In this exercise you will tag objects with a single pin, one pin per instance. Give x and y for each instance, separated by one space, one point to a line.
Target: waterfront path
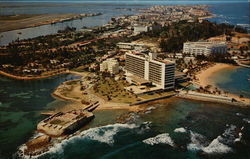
213 98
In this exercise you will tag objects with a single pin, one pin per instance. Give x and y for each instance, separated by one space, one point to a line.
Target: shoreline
207 17
103 104
5 74
204 80
203 76
30 78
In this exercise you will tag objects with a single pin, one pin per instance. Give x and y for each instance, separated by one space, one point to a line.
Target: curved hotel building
204 48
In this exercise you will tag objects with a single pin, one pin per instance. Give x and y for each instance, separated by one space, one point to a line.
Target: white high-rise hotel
159 72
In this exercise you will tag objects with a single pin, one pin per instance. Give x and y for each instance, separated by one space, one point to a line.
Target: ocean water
227 12
175 130
235 81
237 13
20 105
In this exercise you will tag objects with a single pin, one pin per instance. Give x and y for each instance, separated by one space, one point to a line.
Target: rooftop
207 42
154 59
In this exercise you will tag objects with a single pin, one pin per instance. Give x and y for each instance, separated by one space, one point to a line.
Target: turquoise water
234 80
20 105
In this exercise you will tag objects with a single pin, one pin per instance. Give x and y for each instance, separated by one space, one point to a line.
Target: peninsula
21 21
159 53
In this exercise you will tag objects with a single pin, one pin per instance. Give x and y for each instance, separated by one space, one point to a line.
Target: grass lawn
114 91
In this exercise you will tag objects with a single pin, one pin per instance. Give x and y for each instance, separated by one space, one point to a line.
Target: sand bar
15 22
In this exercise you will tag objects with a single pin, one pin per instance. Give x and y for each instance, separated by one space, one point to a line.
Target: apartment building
140 28
111 65
160 72
204 48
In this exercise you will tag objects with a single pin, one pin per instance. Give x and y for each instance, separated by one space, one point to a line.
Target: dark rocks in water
38 145
128 117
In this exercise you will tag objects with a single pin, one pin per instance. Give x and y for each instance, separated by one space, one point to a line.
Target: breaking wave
198 142
246 120
103 134
180 130
219 145
160 139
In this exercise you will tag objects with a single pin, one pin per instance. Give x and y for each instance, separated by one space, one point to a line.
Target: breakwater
212 98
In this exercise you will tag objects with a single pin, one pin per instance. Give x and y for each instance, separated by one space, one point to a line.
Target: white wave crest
246 120
217 147
160 139
239 138
180 130
239 114
105 134
102 134
198 142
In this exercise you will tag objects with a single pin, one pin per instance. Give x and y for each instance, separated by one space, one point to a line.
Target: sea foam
198 142
103 134
219 145
160 139
246 120
180 130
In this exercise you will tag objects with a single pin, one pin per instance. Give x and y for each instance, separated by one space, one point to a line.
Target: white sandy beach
204 79
203 76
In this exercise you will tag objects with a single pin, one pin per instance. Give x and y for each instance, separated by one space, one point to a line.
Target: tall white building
111 65
159 72
204 48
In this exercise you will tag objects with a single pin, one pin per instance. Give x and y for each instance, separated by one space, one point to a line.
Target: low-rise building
111 65
140 28
131 46
204 48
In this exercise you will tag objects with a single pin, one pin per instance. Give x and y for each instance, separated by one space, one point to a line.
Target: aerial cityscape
124 79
